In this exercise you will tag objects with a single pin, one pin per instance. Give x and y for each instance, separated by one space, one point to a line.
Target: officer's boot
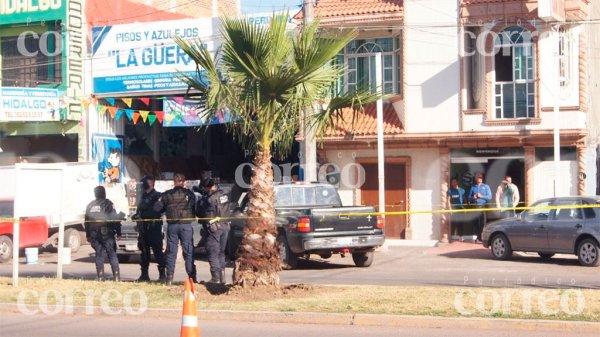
169 280
116 276
100 275
215 277
144 277
162 275
222 276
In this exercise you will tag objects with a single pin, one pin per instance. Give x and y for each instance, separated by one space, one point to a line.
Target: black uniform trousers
184 233
215 245
105 247
151 239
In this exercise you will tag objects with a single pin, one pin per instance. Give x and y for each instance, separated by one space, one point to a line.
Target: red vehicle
33 231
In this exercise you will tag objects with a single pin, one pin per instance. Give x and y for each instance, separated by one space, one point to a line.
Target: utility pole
308 146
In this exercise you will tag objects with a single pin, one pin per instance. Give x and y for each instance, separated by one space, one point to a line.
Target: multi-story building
42 50
471 87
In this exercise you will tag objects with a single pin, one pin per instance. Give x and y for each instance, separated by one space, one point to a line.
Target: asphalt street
19 325
462 264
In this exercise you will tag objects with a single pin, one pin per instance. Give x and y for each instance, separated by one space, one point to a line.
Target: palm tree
266 76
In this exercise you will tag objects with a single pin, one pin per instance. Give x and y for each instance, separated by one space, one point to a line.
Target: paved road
17 325
461 264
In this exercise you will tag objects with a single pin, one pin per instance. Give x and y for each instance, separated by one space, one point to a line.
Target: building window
22 70
565 52
359 60
514 69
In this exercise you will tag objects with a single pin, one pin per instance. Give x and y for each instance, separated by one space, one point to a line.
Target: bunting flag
159 115
85 103
101 110
129 113
110 101
151 119
127 101
119 114
136 117
145 101
169 119
112 110
144 114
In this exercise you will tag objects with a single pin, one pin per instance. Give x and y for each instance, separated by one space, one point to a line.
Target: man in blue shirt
456 200
479 195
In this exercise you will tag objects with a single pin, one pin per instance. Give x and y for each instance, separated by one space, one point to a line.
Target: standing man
178 204
507 197
456 200
101 225
149 226
479 195
214 205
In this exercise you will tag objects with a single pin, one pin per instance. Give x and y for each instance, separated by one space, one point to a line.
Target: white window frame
369 50
526 46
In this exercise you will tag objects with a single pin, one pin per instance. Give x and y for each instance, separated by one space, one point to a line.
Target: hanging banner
181 112
29 104
107 151
143 57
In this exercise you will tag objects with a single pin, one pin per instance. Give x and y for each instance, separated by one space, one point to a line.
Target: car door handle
578 226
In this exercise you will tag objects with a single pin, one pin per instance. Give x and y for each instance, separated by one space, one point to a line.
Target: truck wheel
289 260
364 259
73 240
6 248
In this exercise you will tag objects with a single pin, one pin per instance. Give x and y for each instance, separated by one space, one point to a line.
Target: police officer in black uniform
101 225
212 207
179 204
149 226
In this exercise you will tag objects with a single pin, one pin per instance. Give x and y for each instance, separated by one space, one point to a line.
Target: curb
404 321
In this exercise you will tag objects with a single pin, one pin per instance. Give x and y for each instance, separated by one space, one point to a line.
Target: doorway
395 193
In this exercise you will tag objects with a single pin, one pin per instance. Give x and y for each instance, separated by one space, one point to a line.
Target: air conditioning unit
551 10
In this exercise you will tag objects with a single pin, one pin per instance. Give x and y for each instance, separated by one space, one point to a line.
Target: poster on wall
29 104
180 112
107 151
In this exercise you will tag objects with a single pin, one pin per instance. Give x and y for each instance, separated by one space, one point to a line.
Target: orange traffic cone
189 320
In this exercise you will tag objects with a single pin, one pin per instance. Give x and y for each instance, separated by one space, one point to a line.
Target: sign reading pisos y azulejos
28 11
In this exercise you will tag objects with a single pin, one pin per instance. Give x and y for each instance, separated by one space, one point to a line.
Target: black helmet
146 178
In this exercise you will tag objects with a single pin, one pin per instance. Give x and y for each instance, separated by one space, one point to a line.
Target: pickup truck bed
311 220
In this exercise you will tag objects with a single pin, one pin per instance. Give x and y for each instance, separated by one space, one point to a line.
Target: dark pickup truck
311 220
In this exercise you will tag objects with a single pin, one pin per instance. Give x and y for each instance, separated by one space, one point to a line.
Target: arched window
514 69
359 58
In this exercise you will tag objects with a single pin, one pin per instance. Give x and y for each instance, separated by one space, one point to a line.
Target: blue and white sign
29 104
143 57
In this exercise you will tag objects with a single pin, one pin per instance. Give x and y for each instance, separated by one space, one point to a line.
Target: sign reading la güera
29 104
143 57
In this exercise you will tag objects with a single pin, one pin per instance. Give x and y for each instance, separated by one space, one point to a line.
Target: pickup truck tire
289 260
73 239
363 259
6 248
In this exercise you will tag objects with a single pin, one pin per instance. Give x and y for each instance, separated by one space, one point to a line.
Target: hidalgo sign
28 11
143 57
28 104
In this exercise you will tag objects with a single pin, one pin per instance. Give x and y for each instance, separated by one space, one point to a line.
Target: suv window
588 211
536 214
567 213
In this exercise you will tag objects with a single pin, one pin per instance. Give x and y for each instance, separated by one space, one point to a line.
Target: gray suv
566 225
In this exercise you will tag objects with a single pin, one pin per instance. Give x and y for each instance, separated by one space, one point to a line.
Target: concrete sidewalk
405 321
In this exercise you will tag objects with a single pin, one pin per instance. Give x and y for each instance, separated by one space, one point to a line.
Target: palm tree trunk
258 255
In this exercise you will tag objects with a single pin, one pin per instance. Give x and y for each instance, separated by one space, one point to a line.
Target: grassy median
522 303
